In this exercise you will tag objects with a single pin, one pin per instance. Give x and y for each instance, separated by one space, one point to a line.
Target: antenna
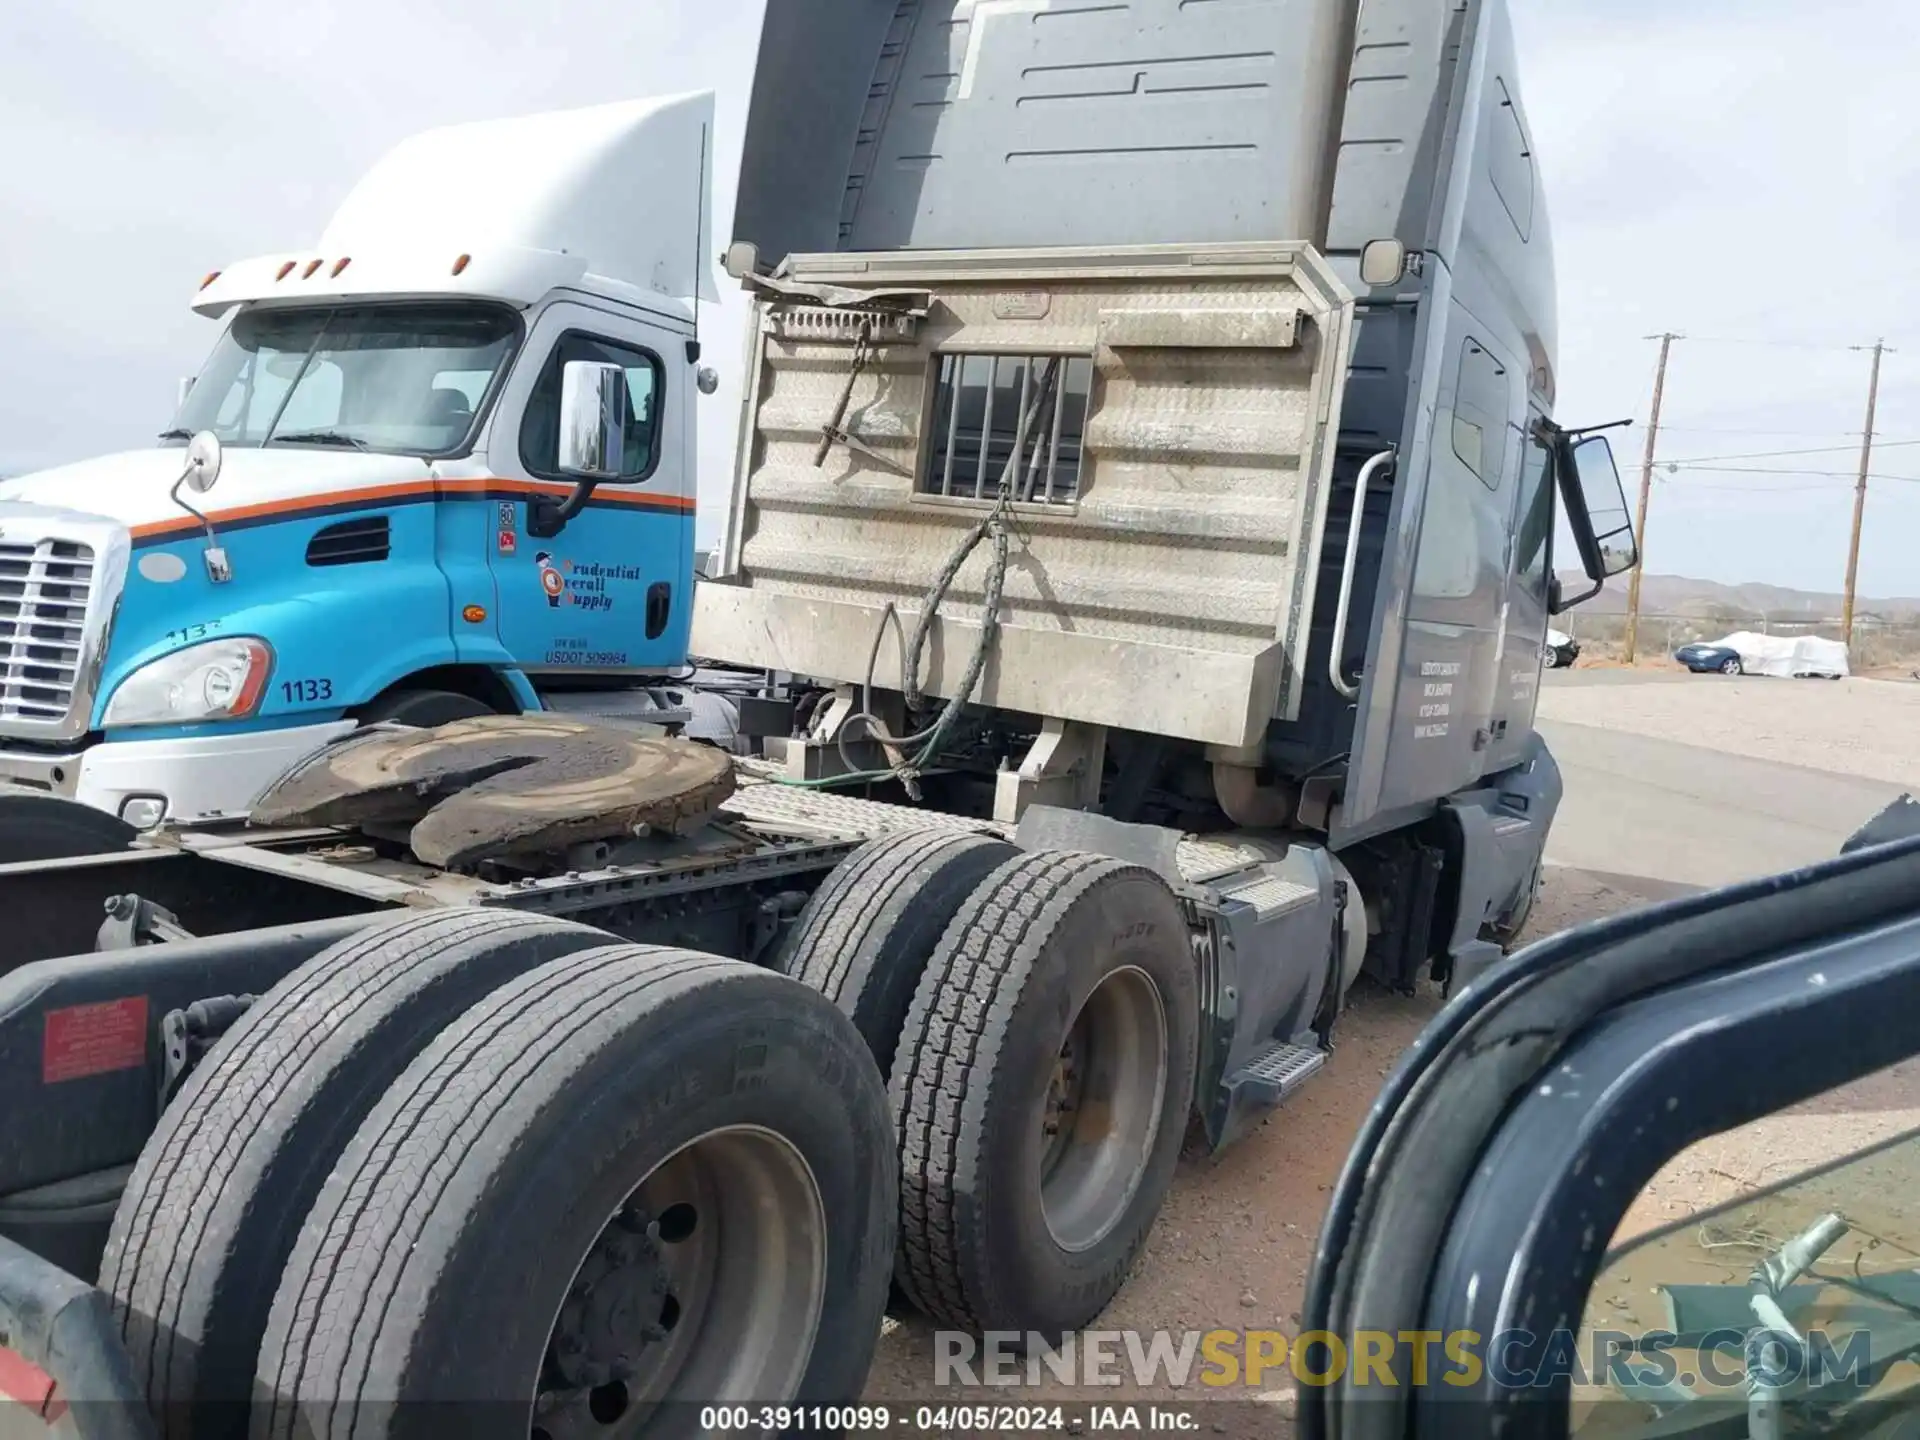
699 242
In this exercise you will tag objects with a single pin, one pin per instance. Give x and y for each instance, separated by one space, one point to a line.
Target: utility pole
1646 487
1860 492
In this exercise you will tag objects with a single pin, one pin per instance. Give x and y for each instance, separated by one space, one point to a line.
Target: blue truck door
612 593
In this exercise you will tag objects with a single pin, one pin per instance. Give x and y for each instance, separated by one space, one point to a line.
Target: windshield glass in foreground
407 379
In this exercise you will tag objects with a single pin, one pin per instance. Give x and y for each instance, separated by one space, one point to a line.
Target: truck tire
216 1198
426 709
1064 987
50 827
633 1176
865 937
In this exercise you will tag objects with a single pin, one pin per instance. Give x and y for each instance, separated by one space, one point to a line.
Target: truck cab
372 502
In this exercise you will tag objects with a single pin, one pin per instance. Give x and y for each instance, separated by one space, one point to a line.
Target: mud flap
62 1358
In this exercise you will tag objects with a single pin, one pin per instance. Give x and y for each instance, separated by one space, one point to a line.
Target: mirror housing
203 462
1383 262
741 259
707 378
202 470
595 411
1595 504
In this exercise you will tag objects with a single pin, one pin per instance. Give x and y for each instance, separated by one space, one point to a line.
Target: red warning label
85 1040
29 1385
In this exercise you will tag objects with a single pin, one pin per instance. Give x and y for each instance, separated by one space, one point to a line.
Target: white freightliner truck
1142 519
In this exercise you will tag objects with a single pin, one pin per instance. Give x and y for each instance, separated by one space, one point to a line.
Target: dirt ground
1233 1245
1855 727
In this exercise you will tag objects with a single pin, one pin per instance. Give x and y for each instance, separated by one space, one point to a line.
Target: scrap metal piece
503 785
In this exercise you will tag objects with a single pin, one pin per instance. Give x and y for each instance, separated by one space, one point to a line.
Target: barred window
995 411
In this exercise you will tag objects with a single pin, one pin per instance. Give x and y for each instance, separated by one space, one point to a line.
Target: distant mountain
1708 599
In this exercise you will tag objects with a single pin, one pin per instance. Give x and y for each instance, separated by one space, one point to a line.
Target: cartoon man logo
551 580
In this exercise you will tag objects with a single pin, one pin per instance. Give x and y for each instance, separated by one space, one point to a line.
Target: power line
1793 474
1759 344
1782 454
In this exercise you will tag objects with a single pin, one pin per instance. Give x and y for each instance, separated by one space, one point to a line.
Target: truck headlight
220 680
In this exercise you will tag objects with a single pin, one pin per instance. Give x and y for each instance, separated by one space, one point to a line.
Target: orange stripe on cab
409 490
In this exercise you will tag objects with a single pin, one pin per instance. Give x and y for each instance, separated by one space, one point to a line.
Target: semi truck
386 535
1142 530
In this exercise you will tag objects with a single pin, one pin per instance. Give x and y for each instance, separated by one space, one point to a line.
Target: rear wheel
865 937
631 1184
217 1196
49 827
1042 1088
425 709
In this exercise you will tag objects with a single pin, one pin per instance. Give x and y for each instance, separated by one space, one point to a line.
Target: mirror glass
594 413
741 259
1606 501
1383 262
1766 1283
203 461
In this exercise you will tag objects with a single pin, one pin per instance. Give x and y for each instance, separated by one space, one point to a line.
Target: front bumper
196 777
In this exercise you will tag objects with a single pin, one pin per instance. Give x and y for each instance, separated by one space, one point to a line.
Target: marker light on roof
338 266
461 263
285 270
212 275
312 265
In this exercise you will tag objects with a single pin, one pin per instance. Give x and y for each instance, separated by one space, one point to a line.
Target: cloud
1731 171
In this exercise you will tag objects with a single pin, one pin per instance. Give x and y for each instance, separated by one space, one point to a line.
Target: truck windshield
403 379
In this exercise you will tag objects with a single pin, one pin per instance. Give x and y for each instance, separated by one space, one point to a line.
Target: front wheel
424 709
49 827
1732 666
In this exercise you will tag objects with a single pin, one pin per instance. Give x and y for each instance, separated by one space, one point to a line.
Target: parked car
1801 657
1561 650
1706 659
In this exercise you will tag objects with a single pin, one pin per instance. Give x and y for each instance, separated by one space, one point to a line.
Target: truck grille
44 585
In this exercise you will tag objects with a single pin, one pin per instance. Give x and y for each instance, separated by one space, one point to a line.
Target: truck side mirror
596 410
1605 499
1595 503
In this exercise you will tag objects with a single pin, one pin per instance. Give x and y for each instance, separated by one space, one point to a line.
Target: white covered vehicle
1787 656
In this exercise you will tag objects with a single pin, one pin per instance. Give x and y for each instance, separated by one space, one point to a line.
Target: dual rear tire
490 1174
1040 1072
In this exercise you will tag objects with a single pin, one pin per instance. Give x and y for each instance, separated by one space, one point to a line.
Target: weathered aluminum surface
1173 596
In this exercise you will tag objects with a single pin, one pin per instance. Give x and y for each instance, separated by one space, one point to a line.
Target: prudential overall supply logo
1261 1360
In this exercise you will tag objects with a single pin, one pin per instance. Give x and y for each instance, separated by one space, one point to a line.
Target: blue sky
1739 173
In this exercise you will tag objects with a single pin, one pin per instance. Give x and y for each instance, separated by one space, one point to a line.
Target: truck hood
131 487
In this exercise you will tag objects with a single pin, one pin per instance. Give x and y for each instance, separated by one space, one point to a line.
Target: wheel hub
621 1303
1101 1110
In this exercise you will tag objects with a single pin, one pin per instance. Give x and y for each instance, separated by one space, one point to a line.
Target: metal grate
44 586
990 411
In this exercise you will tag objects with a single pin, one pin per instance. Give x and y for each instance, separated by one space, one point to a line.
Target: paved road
1673 812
